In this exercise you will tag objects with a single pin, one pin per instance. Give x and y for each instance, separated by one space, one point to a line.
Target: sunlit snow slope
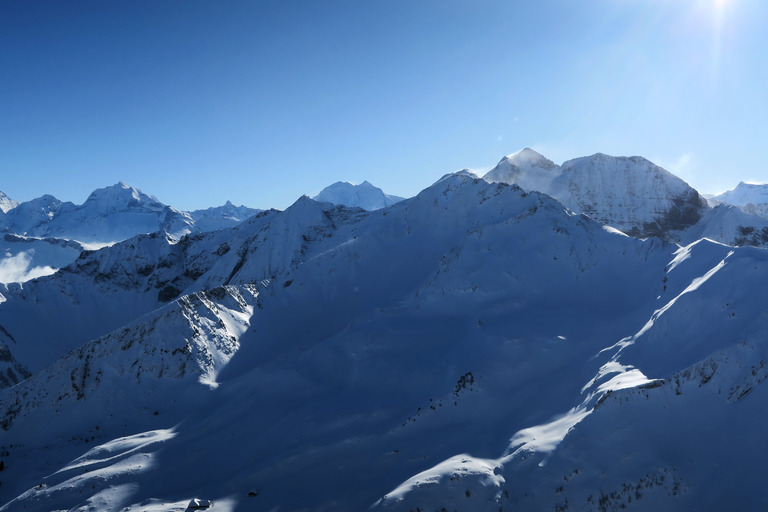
476 347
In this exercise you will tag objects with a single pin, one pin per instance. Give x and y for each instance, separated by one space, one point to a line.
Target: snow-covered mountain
629 193
6 203
45 234
475 347
751 198
220 217
364 195
744 194
528 169
109 214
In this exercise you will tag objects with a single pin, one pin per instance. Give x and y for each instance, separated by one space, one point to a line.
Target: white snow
744 194
475 347
364 195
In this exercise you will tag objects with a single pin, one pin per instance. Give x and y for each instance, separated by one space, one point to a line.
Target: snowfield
480 346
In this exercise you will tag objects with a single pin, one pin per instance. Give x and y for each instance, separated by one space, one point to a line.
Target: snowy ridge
638 197
221 217
109 215
364 195
620 399
476 347
205 326
6 203
527 169
750 198
629 193
744 194
330 297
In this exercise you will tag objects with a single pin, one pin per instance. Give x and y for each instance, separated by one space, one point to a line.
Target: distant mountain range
637 197
480 346
45 234
365 195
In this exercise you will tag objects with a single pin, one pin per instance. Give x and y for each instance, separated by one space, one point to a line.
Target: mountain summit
629 193
365 195
477 347
6 203
527 168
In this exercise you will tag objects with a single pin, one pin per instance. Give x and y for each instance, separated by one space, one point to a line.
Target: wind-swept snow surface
475 347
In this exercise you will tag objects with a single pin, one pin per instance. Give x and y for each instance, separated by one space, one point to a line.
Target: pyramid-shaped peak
527 168
528 156
529 153
745 193
121 194
6 203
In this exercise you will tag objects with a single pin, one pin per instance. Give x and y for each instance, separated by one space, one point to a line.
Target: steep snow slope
745 193
108 215
674 404
118 283
364 195
473 348
6 203
728 224
220 217
751 198
629 193
380 344
527 169
28 215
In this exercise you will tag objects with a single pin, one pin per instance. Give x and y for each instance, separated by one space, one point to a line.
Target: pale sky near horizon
260 101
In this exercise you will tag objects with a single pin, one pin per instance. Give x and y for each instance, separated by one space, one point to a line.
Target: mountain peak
527 168
121 195
629 193
365 195
745 193
6 203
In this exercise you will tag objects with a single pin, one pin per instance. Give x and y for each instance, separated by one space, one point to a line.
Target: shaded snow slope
364 195
475 347
673 404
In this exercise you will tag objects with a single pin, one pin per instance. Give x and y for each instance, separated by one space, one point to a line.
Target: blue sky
258 102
